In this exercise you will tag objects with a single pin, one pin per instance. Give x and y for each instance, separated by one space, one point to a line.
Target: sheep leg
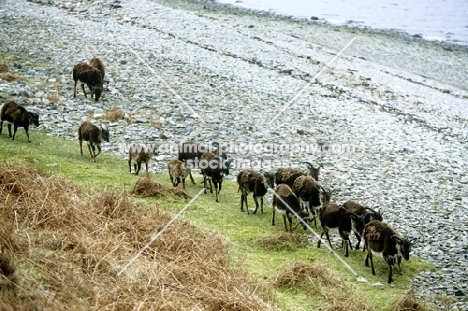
1 126
211 185
15 128
315 219
320 240
148 173
81 147
261 206
183 182
390 268
91 152
9 130
82 86
99 150
244 199
358 237
27 133
256 204
285 224
217 190
273 216
346 248
399 265
369 255
325 229
90 90
190 171
191 178
138 168
74 88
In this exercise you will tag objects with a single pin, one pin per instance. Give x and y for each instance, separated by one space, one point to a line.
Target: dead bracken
70 245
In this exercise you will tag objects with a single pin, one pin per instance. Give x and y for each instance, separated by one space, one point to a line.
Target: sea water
436 20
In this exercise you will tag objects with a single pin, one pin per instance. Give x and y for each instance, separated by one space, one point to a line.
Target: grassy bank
263 250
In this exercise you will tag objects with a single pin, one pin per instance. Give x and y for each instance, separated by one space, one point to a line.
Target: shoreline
230 8
400 99
350 24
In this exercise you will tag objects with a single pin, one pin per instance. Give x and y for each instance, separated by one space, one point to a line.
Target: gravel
387 119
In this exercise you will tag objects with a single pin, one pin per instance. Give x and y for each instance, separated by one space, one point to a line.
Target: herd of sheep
297 193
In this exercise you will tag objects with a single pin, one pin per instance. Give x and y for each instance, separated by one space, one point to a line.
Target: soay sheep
190 152
99 65
251 181
308 190
177 172
214 168
84 73
138 154
282 198
384 241
287 175
360 210
17 115
94 136
333 216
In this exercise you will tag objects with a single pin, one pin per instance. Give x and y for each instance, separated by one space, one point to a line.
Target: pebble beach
386 117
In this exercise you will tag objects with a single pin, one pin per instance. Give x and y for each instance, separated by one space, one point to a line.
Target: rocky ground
387 119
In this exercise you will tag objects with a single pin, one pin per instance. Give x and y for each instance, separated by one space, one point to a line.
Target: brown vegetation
114 114
145 187
409 302
4 68
318 279
66 247
7 75
283 241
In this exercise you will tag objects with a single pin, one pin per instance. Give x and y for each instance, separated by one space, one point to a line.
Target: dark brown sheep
307 189
284 200
190 152
86 74
382 240
336 216
251 181
214 168
94 136
287 175
358 209
97 63
17 115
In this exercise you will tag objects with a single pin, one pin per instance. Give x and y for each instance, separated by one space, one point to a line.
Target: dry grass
4 68
7 75
61 249
145 187
409 302
10 77
319 280
114 114
301 274
283 241
53 97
